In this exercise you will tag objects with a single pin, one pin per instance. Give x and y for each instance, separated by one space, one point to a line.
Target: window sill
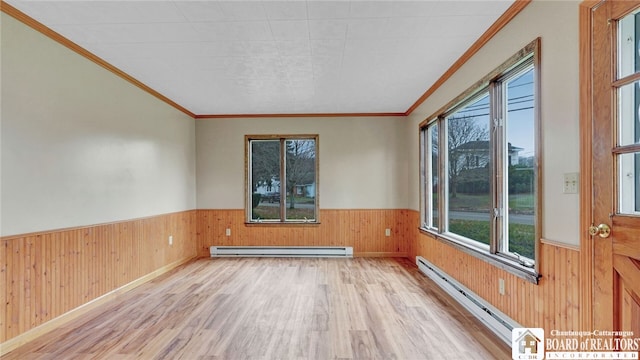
501 262
282 224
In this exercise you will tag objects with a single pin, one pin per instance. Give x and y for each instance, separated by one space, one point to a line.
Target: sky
520 124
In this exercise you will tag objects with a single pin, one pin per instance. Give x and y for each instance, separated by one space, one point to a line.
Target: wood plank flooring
287 308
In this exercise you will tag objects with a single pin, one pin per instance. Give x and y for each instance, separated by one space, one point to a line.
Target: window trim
527 56
248 188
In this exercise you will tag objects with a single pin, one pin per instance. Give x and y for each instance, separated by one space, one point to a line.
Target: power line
518 85
524 108
520 102
510 101
487 114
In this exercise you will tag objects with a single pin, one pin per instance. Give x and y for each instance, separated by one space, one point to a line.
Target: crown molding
43 29
500 23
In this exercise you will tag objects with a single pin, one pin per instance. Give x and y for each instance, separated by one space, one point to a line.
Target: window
282 179
628 161
482 193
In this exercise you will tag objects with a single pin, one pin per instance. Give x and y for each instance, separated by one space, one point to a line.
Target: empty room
264 179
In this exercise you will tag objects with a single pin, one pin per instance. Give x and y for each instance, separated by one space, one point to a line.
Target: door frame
586 148
587 244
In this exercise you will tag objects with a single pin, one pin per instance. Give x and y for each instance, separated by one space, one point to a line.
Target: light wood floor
289 308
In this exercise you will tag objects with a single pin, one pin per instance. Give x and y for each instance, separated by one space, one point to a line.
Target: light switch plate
571 182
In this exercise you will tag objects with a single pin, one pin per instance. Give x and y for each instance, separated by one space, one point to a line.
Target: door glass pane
521 189
265 179
628 122
468 167
628 114
434 179
629 175
301 180
629 44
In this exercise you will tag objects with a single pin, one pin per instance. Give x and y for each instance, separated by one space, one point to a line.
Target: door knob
602 230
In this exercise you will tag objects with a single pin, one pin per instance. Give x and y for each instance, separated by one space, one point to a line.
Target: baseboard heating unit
281 251
491 317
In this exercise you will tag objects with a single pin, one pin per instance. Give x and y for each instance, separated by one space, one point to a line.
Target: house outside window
480 158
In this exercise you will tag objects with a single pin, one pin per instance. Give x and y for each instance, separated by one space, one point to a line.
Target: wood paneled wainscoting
363 229
551 304
46 275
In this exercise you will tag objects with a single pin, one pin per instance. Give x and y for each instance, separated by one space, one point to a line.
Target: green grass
266 212
521 237
302 200
518 203
470 202
472 229
273 212
521 203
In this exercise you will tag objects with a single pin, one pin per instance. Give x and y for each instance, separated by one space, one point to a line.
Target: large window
479 163
282 179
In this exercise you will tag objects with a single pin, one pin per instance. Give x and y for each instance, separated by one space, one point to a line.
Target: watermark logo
527 343
596 344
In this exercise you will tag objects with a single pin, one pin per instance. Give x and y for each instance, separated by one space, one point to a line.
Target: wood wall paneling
552 304
49 274
45 275
413 231
364 230
3 285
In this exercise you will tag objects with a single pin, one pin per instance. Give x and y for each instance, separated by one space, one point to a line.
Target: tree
301 166
467 137
265 163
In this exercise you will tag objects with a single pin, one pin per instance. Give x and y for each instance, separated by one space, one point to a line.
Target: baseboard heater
491 317
281 251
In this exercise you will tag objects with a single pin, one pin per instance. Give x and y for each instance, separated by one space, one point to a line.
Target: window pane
434 179
468 166
629 165
628 45
301 179
265 179
520 162
628 114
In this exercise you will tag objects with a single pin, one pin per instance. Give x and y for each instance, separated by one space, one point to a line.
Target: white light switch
571 182
387 232
170 239
228 232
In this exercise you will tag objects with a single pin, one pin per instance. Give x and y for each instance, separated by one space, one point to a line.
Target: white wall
82 146
363 161
556 22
